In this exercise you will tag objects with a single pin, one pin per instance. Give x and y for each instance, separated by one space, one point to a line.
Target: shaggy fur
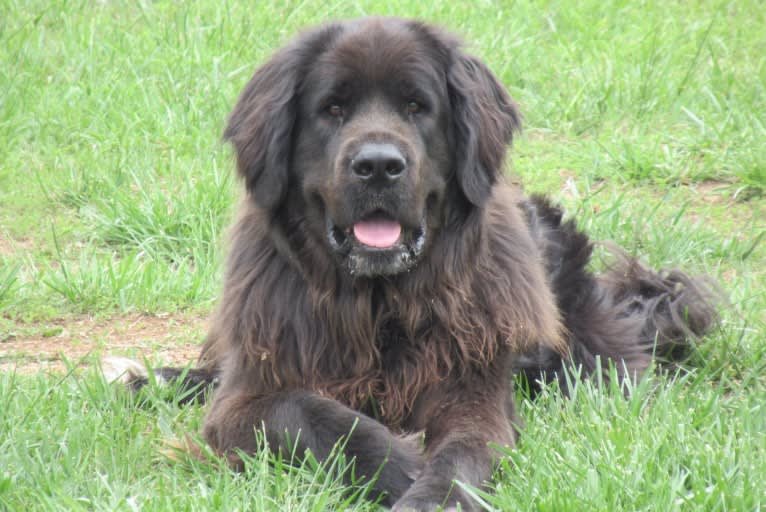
388 122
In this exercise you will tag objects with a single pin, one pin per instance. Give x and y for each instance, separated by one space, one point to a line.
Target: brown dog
383 276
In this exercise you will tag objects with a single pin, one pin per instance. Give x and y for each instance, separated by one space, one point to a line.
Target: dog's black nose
378 162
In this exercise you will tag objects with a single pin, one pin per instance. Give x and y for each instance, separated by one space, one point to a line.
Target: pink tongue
379 233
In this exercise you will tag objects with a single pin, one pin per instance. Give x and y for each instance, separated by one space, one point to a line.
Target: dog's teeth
122 370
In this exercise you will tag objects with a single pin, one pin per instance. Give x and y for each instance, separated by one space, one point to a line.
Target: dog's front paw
433 502
410 505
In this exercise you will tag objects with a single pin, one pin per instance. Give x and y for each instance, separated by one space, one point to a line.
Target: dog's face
372 134
371 146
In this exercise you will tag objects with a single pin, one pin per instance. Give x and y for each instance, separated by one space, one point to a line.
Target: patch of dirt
13 246
713 204
172 340
713 192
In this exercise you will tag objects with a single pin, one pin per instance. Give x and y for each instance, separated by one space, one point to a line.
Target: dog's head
372 134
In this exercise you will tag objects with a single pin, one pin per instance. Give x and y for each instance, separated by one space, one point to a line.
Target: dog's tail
625 316
674 309
191 384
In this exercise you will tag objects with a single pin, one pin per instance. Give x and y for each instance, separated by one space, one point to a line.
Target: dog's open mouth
377 231
377 244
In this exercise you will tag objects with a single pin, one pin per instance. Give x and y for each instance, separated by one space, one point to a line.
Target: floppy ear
261 125
485 118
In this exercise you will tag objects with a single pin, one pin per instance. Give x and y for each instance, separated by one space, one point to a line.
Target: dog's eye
413 107
335 111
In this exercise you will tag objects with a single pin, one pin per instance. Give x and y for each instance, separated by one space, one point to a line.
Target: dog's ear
260 128
484 120
261 125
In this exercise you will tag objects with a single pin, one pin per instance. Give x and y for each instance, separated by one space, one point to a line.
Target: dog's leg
300 421
464 423
193 383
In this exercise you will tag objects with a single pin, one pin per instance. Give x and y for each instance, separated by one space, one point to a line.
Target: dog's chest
393 344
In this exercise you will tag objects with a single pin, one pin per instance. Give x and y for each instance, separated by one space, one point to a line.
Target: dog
385 279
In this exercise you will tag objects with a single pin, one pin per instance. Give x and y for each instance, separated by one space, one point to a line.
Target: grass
646 120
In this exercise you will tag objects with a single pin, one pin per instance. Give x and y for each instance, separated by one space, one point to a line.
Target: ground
56 346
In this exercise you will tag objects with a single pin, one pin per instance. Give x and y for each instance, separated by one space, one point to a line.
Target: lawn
646 120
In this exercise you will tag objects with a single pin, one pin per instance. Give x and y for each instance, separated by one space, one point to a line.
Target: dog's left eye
334 110
413 107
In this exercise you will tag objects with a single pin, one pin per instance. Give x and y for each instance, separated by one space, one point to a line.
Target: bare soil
172 339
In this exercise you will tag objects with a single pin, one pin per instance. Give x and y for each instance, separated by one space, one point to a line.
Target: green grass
80 444
647 120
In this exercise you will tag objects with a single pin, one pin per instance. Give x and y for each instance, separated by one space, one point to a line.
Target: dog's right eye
414 107
334 111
